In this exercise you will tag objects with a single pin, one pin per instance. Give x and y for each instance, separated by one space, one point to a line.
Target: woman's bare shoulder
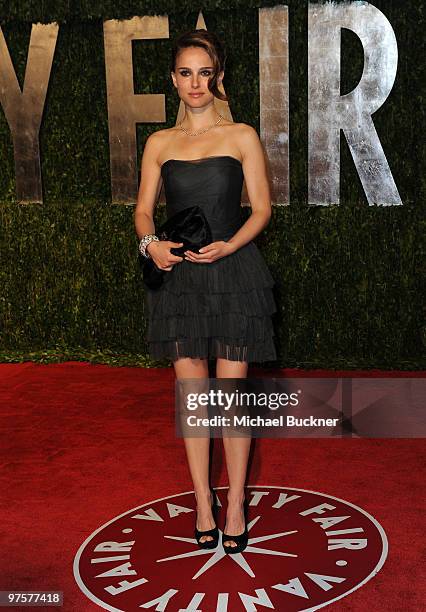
161 135
244 133
246 137
158 142
245 128
163 138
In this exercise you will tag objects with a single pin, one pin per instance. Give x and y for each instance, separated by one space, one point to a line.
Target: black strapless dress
220 309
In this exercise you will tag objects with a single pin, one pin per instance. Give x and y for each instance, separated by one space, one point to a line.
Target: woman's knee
227 368
188 367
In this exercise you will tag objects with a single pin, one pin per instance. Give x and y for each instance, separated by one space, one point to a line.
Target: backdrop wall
348 278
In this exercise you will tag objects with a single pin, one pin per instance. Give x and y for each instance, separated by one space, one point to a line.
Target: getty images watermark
301 407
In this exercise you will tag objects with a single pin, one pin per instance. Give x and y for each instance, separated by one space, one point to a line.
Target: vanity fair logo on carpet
305 550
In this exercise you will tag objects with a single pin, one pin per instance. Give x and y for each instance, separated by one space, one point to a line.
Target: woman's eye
203 72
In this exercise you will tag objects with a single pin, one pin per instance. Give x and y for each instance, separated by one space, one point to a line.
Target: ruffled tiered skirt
220 309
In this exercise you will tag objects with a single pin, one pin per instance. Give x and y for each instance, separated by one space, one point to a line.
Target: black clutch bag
189 226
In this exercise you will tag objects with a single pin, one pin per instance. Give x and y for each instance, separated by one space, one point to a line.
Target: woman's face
192 72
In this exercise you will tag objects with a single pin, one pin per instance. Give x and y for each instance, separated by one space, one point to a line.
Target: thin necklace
198 131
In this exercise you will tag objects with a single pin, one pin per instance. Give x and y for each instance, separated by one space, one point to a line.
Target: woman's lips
196 95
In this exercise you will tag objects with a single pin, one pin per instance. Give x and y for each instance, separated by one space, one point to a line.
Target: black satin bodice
213 183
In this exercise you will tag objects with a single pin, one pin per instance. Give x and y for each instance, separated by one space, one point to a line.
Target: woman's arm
149 188
255 176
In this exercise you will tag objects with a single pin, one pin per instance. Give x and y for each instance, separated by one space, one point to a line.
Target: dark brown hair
210 43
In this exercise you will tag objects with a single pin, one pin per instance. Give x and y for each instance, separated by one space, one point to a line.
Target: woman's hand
211 252
159 251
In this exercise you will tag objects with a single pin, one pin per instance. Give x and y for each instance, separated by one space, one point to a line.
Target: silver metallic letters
274 90
125 108
24 109
329 112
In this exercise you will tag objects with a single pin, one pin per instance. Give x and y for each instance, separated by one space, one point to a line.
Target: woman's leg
197 451
236 454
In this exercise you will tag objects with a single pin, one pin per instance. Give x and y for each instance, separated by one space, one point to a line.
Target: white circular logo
305 550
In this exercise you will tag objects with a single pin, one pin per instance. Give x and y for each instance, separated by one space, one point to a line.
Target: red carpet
83 444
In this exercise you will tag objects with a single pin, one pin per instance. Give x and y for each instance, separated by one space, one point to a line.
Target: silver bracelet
144 242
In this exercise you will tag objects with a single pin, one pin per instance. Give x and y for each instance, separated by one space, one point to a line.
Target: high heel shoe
240 540
214 533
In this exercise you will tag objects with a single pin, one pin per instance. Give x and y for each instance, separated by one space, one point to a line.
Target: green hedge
349 278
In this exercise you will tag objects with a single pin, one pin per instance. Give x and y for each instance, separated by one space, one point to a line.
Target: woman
216 304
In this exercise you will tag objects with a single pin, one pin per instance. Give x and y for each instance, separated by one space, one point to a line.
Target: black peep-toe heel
214 533
240 540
